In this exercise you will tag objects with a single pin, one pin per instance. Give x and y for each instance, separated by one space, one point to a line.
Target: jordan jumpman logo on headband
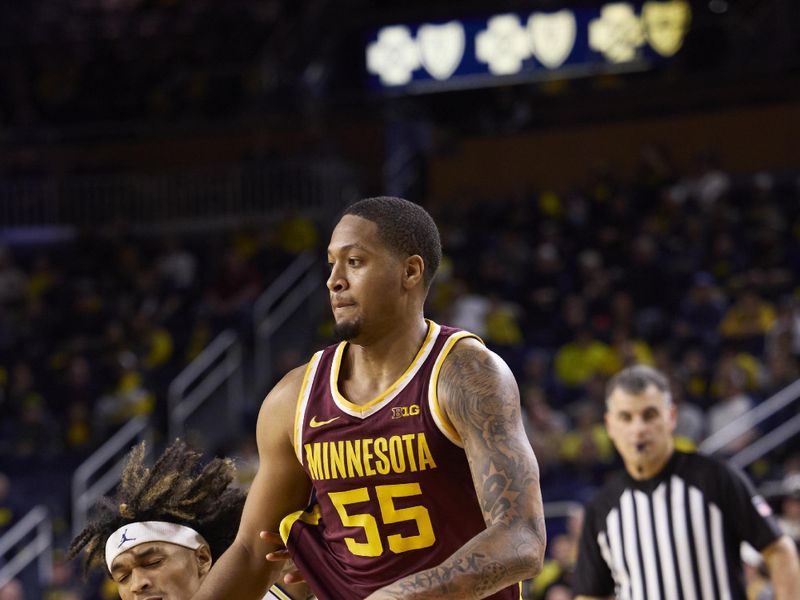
125 538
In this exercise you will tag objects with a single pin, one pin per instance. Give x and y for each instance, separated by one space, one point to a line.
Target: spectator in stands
644 279
573 315
297 234
231 296
593 392
78 392
626 350
12 280
622 311
469 308
576 361
690 421
13 590
725 259
22 391
61 585
544 425
127 398
537 372
748 320
42 278
700 313
785 335
546 280
557 571
705 186
780 371
555 580
177 267
503 330
36 432
591 275
694 375
732 403
153 343
586 446
783 348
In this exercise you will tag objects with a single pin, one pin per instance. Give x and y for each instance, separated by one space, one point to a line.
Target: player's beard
347 330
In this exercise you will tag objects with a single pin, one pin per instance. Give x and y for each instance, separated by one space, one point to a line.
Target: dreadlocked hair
176 490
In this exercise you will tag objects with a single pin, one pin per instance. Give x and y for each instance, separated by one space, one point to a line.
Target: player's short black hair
638 378
176 489
404 227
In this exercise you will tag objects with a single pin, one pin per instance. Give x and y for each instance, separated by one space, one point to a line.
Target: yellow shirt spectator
576 361
750 316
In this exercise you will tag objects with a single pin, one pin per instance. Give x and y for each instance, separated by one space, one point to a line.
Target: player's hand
291 574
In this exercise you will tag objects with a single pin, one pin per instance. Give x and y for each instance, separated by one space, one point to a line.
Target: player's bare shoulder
472 375
288 388
278 408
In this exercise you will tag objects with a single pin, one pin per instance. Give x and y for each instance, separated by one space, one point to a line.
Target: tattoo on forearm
442 579
490 575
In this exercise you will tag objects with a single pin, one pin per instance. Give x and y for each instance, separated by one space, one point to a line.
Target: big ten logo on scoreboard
510 47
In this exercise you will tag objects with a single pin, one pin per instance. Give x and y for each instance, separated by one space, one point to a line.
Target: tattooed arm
480 397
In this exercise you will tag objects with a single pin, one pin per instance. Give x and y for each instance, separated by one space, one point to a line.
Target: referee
671 525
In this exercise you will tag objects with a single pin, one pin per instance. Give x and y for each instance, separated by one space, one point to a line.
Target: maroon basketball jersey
394 493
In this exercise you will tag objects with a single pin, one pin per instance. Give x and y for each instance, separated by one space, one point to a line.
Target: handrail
39 547
717 441
304 288
761 446
296 269
304 284
181 405
200 365
84 495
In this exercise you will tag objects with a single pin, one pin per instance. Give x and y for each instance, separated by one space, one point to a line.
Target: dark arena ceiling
68 66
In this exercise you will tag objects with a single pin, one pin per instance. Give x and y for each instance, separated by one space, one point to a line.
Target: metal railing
755 416
296 269
219 363
39 548
278 303
84 494
242 189
767 443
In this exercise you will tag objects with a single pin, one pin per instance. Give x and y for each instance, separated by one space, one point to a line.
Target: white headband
133 534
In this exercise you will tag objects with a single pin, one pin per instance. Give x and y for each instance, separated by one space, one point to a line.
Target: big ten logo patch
405 411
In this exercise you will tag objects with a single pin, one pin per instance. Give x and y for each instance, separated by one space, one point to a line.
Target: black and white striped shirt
675 536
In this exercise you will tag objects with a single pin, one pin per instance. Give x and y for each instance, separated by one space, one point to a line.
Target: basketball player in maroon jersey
408 433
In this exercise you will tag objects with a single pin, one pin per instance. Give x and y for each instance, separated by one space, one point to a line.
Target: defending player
166 525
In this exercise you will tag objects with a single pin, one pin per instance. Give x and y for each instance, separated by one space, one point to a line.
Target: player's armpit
280 487
784 568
